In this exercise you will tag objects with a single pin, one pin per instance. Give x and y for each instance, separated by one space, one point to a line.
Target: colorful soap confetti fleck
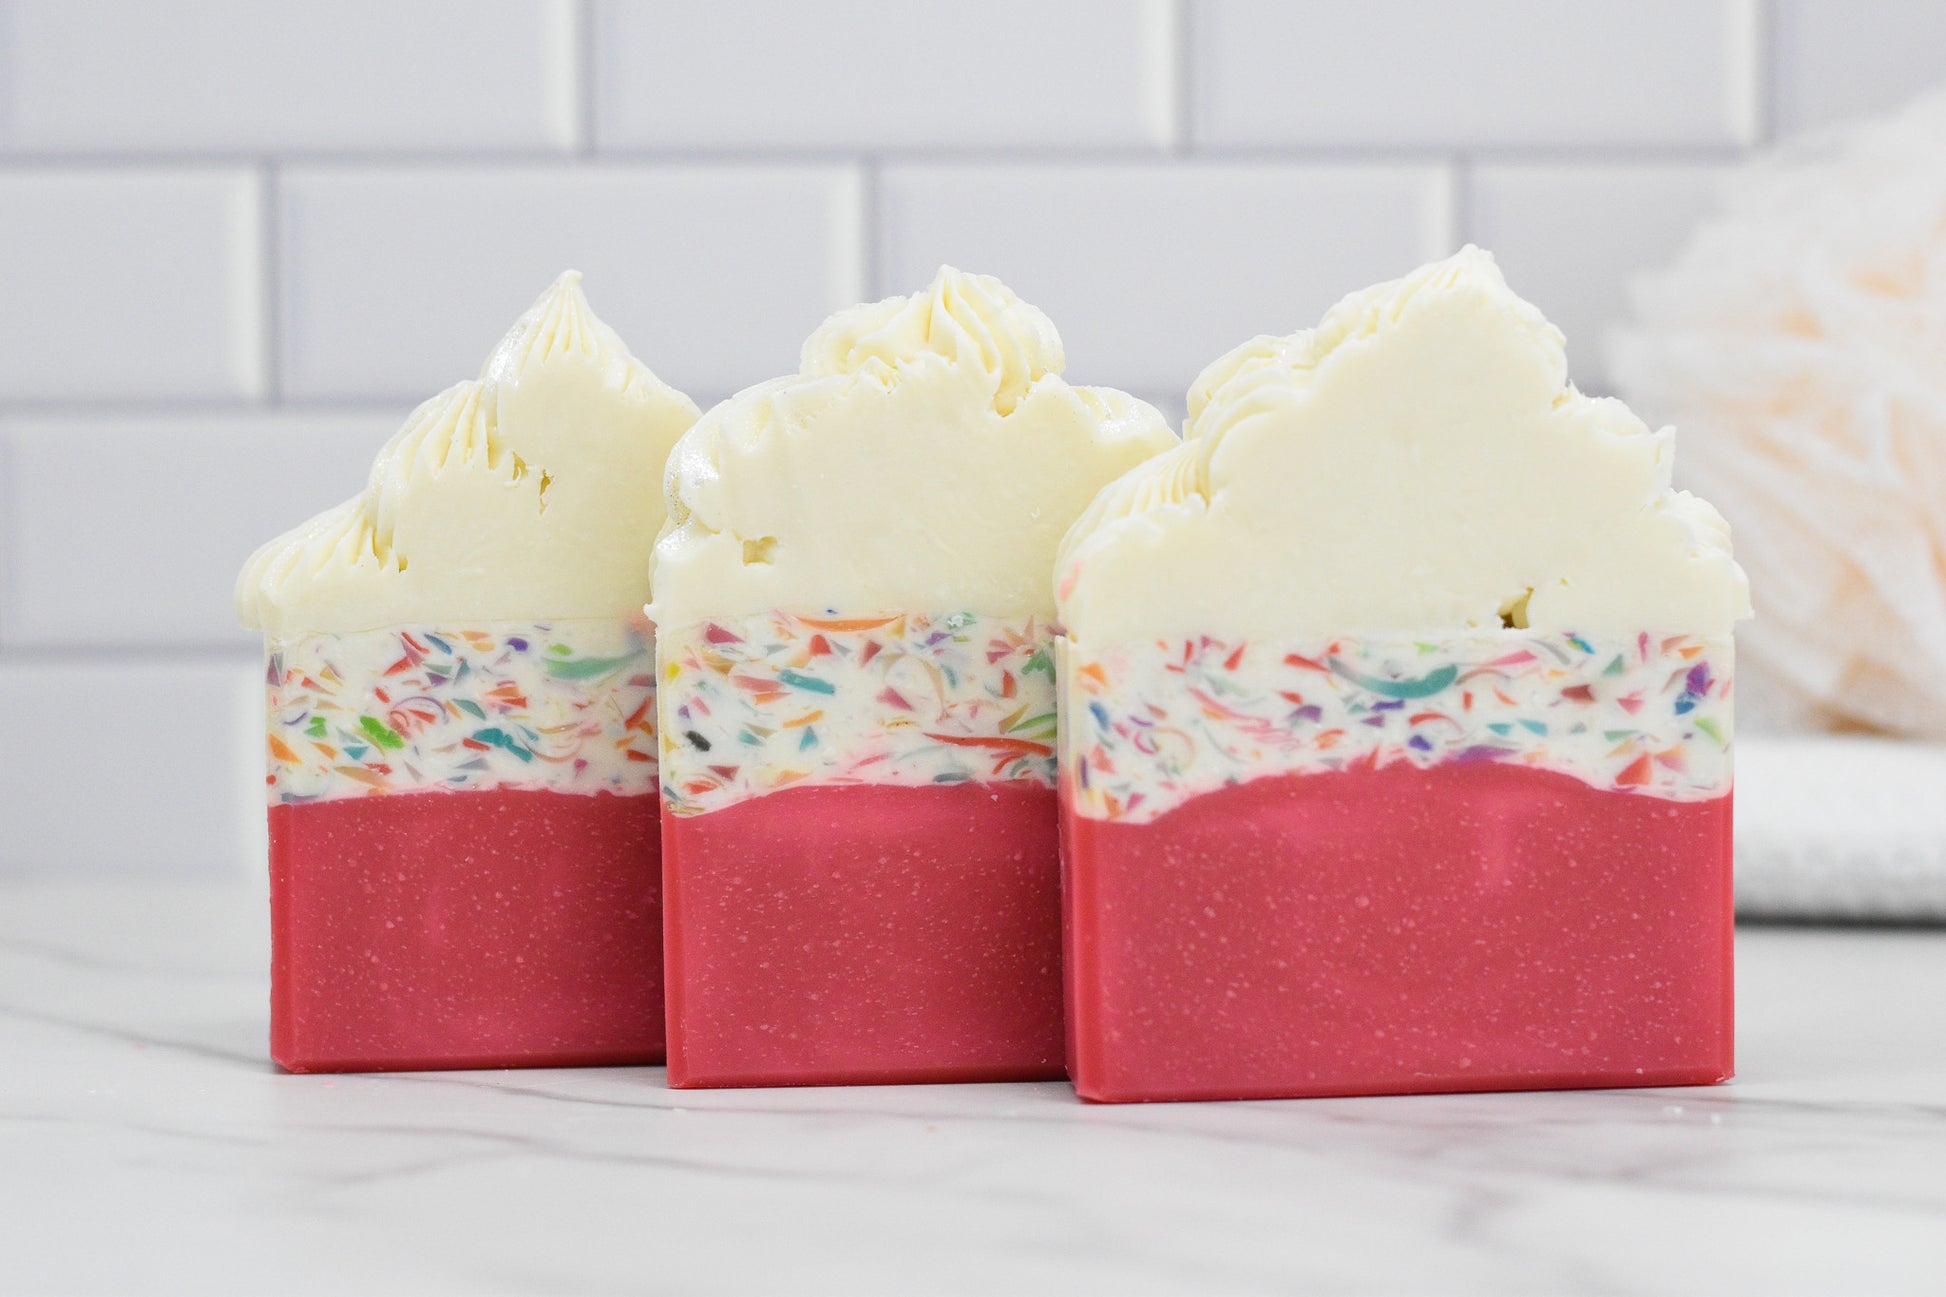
566 706
753 704
1149 728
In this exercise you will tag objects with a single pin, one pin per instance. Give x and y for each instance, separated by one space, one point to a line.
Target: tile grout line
713 158
1164 77
582 63
11 560
271 290
1459 203
869 234
1758 50
170 407
1181 65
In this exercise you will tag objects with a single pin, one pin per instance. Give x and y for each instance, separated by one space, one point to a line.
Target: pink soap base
1471 926
865 934
465 929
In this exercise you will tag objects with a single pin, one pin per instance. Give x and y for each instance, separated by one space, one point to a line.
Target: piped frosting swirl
1417 465
530 493
927 456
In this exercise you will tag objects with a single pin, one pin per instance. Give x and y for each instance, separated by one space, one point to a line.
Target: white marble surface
146 1145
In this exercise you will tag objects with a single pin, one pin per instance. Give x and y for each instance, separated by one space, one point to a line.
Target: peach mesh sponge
1799 344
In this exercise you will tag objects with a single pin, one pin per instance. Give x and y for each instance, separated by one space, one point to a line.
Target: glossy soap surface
866 934
1468 926
465 929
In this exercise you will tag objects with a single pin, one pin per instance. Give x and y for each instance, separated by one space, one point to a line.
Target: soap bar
463 842
861 851
464 819
1396 716
855 679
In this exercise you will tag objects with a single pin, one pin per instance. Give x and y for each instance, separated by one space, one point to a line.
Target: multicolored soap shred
1151 727
753 704
560 706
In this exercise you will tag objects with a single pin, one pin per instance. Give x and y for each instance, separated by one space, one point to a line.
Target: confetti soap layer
565 706
1148 728
752 704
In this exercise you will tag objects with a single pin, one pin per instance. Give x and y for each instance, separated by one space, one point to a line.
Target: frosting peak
530 493
970 320
1270 372
926 458
1415 465
560 324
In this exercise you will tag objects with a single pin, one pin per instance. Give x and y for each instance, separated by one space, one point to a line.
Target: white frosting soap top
1417 465
532 493
926 457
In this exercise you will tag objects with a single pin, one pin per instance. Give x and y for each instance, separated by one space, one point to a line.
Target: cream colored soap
531 493
927 456
1417 465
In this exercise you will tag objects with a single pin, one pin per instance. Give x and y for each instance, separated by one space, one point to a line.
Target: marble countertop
146 1145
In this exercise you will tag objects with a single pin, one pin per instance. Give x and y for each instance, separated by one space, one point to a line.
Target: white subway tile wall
1153 269
1569 235
397 281
238 241
242 76
1838 59
128 529
131 283
131 764
1001 74
1479 74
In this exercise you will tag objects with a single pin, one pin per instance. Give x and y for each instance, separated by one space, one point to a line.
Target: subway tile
1152 271
130 284
130 765
398 281
877 74
1839 59
1429 73
129 531
228 75
1571 237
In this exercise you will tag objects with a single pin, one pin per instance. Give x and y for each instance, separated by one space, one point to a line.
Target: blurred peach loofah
1799 344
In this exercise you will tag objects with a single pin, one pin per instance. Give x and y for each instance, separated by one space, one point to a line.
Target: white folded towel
1834 827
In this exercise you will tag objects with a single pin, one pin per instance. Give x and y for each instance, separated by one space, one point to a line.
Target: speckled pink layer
866 934
468 928
1468 926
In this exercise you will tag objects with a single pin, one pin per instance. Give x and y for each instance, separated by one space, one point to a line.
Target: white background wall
239 240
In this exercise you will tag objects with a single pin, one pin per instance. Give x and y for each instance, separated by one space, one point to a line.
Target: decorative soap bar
1396 727
463 809
853 603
